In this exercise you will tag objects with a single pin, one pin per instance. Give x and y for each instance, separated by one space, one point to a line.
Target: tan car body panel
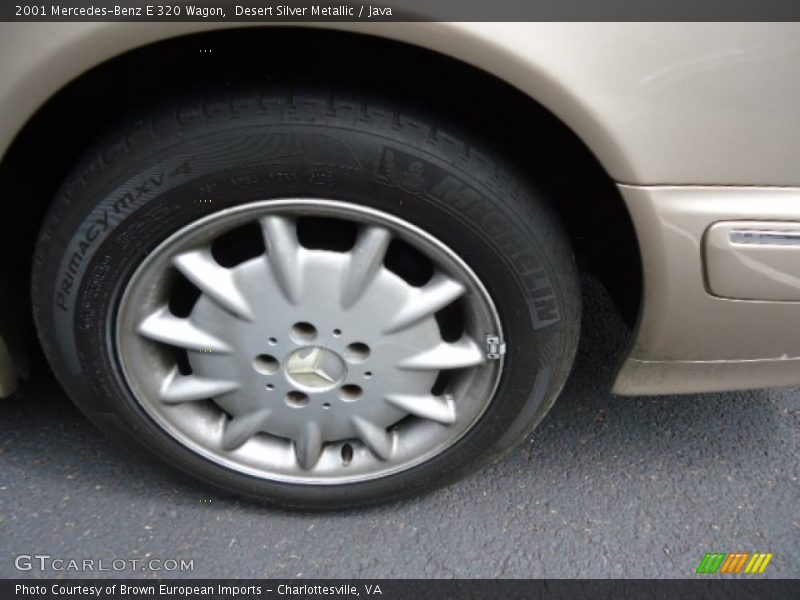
658 103
711 104
689 340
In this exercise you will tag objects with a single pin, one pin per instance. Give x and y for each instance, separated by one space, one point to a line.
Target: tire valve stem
495 347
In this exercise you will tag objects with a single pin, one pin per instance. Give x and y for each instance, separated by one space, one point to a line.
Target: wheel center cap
315 368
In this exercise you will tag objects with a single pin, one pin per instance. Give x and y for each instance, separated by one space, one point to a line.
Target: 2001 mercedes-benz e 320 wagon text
333 265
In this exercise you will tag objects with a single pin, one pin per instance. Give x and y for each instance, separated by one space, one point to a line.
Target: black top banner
261 11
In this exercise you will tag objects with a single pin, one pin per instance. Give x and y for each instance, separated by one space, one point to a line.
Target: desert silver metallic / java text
308 364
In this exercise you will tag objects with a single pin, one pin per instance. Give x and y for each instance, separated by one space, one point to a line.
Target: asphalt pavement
606 487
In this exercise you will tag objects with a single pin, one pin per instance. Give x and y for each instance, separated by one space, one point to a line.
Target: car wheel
315 299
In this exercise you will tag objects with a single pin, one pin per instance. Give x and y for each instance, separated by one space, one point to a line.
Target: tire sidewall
132 206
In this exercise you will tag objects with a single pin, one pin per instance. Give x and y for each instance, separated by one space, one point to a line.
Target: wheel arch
106 67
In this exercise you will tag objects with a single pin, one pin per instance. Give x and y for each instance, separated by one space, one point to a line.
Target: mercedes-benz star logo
315 367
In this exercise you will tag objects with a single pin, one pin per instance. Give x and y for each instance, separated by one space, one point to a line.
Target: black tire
148 178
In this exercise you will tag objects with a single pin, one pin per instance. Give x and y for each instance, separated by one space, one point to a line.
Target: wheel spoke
216 282
375 437
309 445
164 327
241 428
436 408
179 388
425 301
366 259
458 355
283 253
